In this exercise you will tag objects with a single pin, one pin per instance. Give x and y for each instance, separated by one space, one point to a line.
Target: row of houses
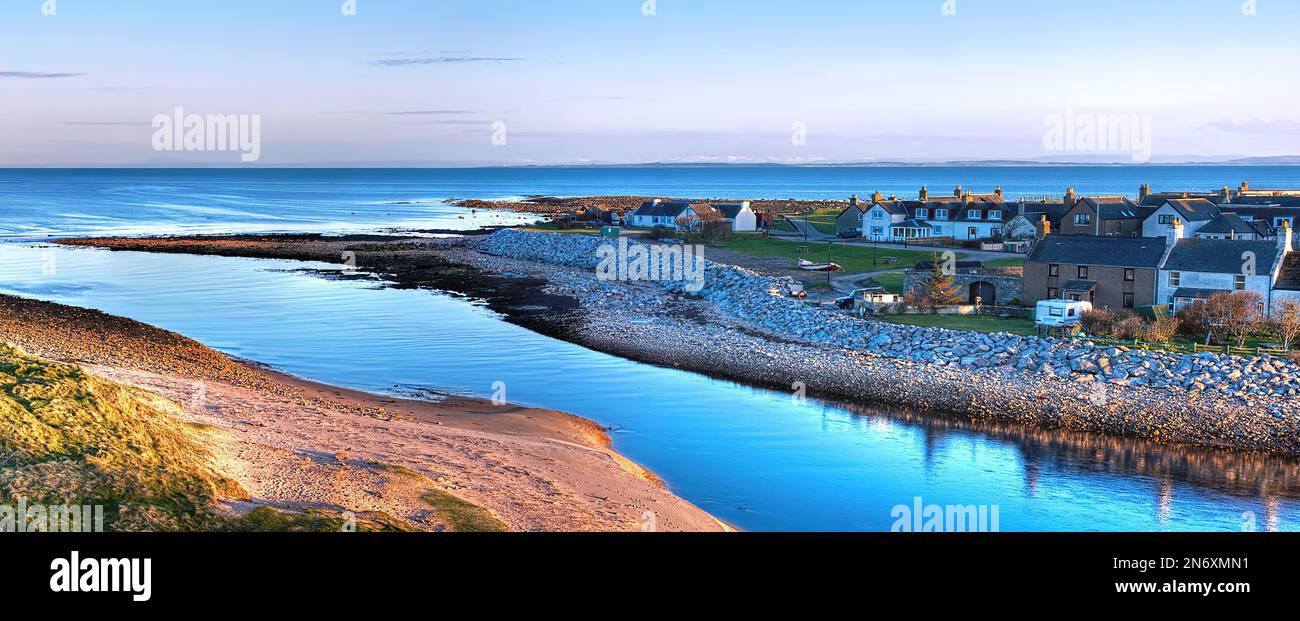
660 212
1176 269
1240 214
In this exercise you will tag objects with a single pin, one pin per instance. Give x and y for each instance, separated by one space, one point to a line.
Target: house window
877 230
995 215
941 214
938 231
1277 222
973 214
1083 271
876 214
1239 282
1053 270
1175 279
1051 293
1166 218
1130 274
1082 219
922 212
1128 300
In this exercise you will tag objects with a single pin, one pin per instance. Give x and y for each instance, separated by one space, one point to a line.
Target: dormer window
922 212
973 214
995 215
941 214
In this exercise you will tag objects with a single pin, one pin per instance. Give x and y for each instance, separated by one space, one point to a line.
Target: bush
1127 325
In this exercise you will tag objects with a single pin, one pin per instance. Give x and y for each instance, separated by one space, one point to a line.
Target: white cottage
1196 268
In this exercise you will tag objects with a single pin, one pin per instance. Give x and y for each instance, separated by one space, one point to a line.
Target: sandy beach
295 444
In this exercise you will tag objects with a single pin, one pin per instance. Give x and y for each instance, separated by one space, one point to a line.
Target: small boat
809 266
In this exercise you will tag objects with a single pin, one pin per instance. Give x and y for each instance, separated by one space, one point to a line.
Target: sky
477 82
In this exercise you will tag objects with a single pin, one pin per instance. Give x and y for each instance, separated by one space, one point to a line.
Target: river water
753 457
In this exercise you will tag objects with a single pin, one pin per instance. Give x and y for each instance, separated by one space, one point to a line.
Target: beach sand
296 444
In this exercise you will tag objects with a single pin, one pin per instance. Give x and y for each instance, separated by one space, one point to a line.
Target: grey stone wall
1006 287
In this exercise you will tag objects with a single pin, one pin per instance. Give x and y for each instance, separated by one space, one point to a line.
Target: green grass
891 281
853 259
1013 262
969 323
463 517
74 439
267 519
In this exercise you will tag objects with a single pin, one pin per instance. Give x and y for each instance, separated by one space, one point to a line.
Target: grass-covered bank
70 438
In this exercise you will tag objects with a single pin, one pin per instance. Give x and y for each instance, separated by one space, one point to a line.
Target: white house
1196 268
742 217
1192 212
878 220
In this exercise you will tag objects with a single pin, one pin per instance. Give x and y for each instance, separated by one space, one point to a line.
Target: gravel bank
756 334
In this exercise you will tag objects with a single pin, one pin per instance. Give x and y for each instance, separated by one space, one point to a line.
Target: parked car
849 234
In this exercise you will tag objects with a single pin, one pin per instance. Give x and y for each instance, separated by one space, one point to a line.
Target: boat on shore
809 266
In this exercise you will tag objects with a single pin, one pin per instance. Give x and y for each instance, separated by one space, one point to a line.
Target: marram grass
69 438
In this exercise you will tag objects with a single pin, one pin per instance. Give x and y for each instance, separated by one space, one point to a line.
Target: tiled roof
1136 252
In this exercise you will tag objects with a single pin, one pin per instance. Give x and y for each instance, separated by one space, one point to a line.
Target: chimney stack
1175 231
875 196
1043 228
1284 237
1144 191
925 194
853 200
998 192
1225 195
1069 197
957 192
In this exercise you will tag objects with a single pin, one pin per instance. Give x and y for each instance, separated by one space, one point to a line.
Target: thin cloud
38 75
1255 126
430 112
435 60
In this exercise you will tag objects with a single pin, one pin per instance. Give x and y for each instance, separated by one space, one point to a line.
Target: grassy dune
68 438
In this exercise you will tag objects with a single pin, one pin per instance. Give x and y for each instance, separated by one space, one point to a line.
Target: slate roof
1289 277
1192 292
729 210
1220 256
913 223
1228 223
1054 211
1194 209
663 208
1135 252
1079 285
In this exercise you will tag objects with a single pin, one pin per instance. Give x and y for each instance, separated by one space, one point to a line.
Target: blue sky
422 81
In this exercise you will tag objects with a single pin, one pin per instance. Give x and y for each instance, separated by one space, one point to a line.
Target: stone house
1103 215
1109 271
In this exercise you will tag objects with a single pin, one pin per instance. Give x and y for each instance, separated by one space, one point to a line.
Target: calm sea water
750 456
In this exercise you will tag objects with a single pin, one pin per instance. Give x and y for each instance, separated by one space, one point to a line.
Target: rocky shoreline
742 326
